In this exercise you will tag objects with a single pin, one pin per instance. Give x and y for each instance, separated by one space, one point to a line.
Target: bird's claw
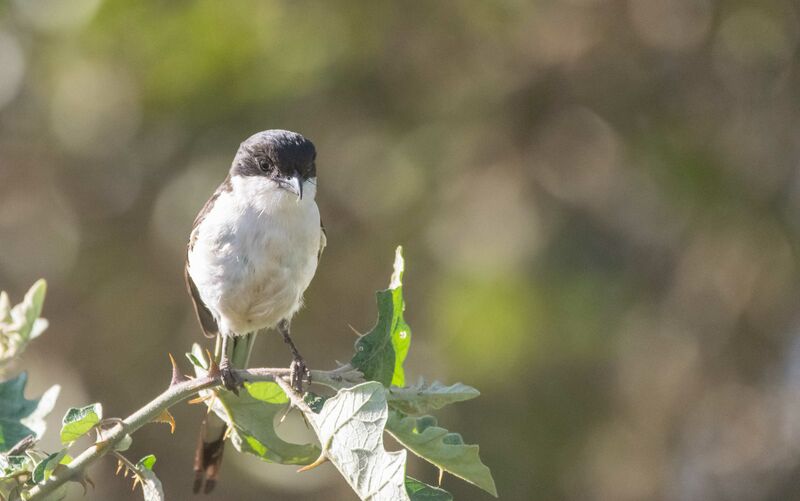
230 380
300 374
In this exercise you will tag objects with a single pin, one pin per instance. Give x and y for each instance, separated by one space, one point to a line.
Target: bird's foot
300 374
230 380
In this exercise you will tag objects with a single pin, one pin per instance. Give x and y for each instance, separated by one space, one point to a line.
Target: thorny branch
179 390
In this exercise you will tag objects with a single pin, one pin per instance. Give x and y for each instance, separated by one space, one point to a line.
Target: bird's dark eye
263 165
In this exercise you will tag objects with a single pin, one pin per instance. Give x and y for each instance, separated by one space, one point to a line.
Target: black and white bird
252 253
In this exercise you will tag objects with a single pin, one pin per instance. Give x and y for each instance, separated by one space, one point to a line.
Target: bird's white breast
255 253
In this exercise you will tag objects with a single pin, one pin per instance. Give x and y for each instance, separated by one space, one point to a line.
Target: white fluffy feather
256 253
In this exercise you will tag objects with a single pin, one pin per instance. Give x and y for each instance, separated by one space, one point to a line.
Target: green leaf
267 392
5 308
12 464
314 401
253 423
350 428
380 353
78 421
420 491
151 485
423 398
146 462
252 419
124 444
46 466
20 417
25 314
423 437
20 324
197 358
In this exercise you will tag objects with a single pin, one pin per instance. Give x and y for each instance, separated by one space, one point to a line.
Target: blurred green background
599 202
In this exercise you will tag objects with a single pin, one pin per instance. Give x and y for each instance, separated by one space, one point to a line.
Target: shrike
253 251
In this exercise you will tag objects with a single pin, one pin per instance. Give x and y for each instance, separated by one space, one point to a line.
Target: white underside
255 253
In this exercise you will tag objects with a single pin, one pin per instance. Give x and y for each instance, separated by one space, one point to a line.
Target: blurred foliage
601 200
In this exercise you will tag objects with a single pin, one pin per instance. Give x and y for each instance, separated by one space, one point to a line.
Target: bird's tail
213 431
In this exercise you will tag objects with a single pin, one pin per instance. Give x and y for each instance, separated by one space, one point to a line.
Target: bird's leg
230 380
300 372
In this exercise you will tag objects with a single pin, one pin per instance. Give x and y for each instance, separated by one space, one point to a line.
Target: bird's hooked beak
294 183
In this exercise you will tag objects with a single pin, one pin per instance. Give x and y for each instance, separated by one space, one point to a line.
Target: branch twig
174 394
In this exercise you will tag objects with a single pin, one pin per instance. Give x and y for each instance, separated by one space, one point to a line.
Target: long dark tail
213 431
208 454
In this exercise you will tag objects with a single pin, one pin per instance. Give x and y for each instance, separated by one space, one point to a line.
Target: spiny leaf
422 398
423 437
20 417
420 491
351 430
381 352
78 421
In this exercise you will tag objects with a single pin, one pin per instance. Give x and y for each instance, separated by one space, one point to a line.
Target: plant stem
174 394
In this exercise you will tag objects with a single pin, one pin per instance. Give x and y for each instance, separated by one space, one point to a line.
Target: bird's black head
283 156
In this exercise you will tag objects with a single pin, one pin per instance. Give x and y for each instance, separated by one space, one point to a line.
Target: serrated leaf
78 421
422 398
20 417
381 352
350 428
420 491
423 437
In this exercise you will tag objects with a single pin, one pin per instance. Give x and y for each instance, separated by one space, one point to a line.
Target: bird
252 252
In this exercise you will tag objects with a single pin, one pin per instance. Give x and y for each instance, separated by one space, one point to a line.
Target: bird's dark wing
323 239
207 321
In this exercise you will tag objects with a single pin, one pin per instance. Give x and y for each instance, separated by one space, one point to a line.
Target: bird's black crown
275 153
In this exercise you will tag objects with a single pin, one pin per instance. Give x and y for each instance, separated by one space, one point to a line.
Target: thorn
119 467
322 459
227 434
285 413
136 480
354 330
213 367
199 400
177 376
441 477
88 481
167 418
